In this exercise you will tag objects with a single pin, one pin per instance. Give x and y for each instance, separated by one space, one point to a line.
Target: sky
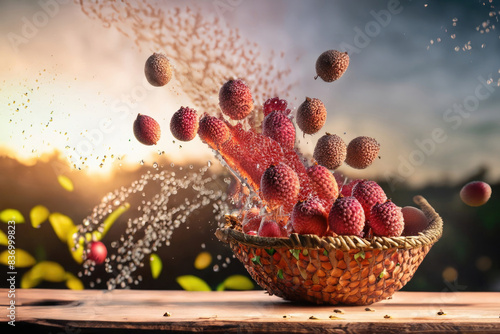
423 80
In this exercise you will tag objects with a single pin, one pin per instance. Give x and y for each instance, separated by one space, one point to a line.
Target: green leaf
220 287
271 251
203 260
38 215
398 264
325 252
382 274
360 254
11 215
156 265
256 259
192 283
23 259
280 274
295 253
62 225
238 282
4 241
65 182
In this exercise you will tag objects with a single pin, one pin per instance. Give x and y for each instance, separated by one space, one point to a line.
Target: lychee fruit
235 99
347 217
271 229
324 183
252 219
415 220
275 104
361 152
311 115
146 130
309 217
279 127
280 186
331 65
386 220
330 151
368 193
475 193
213 131
346 189
158 70
184 124
97 252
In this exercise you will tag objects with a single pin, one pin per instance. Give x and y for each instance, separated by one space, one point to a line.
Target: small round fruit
158 70
146 130
361 152
97 252
184 124
270 229
330 151
275 104
386 220
280 186
311 115
309 217
346 189
475 193
415 220
331 65
324 183
368 193
213 131
235 99
347 217
279 128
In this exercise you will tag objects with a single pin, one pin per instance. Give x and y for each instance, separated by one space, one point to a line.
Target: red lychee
280 186
330 151
235 99
346 189
97 252
311 115
386 220
475 193
275 104
414 220
252 219
146 130
213 131
184 124
361 152
324 183
331 65
280 128
368 193
271 229
309 217
158 70
347 217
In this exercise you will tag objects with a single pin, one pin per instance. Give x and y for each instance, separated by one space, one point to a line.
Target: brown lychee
330 151
311 115
158 70
331 65
235 99
146 130
361 152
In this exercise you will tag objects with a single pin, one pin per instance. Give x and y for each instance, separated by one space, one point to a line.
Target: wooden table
66 311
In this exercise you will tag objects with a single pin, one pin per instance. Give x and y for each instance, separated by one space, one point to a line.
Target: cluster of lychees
295 198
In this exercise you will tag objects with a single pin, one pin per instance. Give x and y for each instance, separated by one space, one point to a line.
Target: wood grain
249 311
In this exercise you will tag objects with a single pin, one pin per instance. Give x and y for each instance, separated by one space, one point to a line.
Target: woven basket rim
342 242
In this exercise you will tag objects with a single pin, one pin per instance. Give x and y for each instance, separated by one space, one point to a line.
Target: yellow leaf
62 225
238 282
76 252
23 259
203 260
110 220
65 182
156 265
73 283
28 282
38 215
48 271
3 239
11 214
192 283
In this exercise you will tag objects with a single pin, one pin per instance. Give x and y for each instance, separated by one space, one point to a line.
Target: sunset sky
423 80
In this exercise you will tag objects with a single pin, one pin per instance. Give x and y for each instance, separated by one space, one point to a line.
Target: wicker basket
332 270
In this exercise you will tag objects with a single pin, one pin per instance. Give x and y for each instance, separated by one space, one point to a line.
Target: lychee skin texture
368 193
361 152
235 99
184 124
158 70
280 128
386 220
346 189
279 185
324 183
331 65
347 217
271 229
309 217
311 115
330 151
97 252
252 219
475 193
414 219
213 131
275 104
146 130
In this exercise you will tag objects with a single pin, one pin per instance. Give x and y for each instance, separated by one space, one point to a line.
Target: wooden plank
251 311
